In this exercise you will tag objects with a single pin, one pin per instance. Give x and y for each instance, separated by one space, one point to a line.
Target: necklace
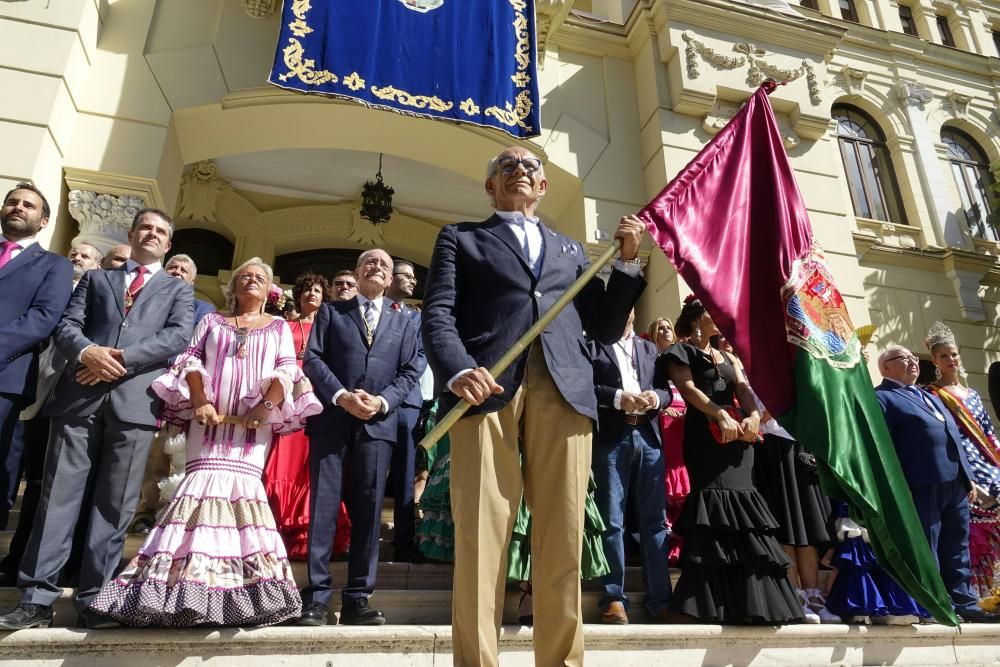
242 333
631 356
303 338
719 382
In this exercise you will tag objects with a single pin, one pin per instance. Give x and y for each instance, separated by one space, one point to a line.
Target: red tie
135 287
7 253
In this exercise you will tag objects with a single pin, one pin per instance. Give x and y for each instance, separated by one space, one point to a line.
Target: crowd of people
238 439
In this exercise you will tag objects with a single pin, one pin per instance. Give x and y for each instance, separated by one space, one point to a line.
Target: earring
961 371
937 373
696 334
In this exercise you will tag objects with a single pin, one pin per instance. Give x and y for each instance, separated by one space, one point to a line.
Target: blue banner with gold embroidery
471 61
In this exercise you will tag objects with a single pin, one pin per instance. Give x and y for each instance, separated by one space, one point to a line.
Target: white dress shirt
22 243
627 359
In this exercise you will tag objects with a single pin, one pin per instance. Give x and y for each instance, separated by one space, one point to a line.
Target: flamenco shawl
735 227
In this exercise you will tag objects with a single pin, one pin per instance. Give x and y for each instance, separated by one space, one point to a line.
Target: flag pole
524 341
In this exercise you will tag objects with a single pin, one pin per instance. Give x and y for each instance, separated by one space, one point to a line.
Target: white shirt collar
517 217
131 265
362 300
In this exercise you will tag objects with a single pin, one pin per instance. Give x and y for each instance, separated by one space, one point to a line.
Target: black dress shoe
979 616
27 615
91 620
314 614
357 612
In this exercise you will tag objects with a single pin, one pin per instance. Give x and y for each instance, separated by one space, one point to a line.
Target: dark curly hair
690 313
306 281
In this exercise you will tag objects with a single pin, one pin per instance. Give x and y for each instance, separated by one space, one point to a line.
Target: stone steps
430 646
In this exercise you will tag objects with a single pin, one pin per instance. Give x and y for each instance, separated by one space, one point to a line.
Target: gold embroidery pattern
417 101
303 69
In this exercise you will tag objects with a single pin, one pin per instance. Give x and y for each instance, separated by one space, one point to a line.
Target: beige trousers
486 485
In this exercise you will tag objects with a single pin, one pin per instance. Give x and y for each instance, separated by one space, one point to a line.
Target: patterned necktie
7 253
370 321
135 287
916 391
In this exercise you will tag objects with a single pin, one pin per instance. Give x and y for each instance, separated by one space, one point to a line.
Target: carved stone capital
549 16
260 9
854 79
912 93
200 190
104 219
959 103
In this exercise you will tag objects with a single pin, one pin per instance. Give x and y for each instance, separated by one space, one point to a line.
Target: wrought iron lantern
376 199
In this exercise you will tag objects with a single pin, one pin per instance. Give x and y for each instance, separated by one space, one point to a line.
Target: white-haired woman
214 556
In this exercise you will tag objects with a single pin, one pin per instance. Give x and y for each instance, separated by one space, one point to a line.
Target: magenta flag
734 225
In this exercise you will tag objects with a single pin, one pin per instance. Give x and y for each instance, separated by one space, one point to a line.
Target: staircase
416 599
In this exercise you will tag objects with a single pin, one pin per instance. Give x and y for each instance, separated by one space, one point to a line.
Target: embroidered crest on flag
422 6
816 317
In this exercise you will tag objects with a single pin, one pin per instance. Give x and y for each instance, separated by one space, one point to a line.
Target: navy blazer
482 296
201 309
35 286
415 399
157 328
608 381
338 357
930 450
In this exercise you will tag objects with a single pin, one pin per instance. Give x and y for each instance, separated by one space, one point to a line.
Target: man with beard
84 257
35 286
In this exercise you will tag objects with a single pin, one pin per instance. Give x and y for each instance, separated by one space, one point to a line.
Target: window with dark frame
970 167
810 4
868 166
847 11
996 41
944 31
906 18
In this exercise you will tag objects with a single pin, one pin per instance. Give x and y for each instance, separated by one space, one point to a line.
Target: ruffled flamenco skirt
734 571
863 588
436 533
984 554
213 558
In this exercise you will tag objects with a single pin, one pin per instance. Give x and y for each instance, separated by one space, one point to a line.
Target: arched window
971 169
868 166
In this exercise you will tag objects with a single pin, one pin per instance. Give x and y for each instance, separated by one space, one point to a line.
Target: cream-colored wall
125 96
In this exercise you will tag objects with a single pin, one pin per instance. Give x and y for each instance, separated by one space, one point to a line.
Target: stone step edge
438 637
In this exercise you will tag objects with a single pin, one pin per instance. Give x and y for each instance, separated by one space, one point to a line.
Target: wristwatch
634 260
269 405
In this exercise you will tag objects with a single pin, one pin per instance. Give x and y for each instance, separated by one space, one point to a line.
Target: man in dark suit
362 361
488 283
119 331
404 454
629 468
929 445
35 284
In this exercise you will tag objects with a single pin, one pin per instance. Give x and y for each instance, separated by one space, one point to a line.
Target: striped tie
370 321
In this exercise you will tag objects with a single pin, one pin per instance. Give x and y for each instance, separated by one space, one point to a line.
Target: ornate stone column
913 99
104 219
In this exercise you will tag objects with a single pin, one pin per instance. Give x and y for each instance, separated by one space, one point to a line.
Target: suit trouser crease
486 487
108 455
944 513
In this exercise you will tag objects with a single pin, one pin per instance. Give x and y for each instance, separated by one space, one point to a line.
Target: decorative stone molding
890 234
104 219
723 112
695 48
549 17
260 9
200 190
912 93
364 232
752 55
959 103
854 79
966 270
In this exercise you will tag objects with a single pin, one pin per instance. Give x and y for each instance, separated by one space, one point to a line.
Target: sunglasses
344 283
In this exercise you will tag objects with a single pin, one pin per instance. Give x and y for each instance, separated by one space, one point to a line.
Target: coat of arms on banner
422 6
816 317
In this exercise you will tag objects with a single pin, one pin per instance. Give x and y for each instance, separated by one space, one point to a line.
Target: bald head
117 256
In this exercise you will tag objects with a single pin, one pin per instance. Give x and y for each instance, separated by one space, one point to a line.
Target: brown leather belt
636 420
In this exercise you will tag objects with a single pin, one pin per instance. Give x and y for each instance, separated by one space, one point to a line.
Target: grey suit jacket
157 328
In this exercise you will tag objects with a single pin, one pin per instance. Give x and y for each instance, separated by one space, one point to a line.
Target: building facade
889 116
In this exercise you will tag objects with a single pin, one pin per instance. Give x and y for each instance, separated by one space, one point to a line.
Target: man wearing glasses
345 285
928 443
362 361
488 283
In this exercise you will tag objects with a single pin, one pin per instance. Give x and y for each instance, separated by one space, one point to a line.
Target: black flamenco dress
733 569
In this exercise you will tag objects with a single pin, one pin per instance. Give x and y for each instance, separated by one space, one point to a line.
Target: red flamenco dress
286 479
677 482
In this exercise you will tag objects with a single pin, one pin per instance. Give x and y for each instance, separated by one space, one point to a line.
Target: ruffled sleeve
172 387
298 400
681 353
